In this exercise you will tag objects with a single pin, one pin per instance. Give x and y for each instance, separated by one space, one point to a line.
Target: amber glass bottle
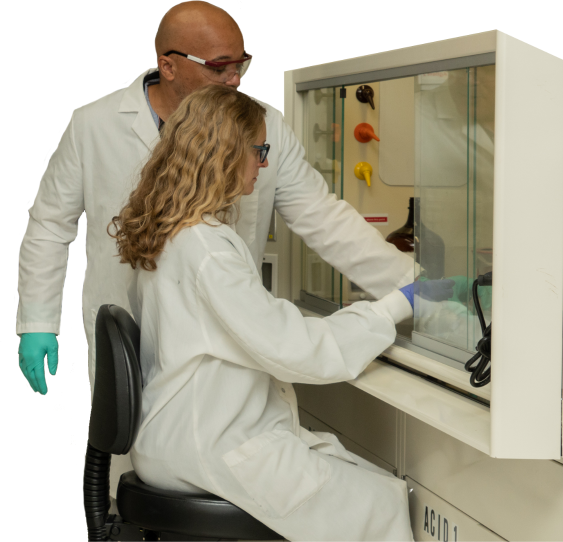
403 238
430 250
431 243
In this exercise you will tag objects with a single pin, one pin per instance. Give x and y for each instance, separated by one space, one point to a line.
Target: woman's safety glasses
219 72
264 150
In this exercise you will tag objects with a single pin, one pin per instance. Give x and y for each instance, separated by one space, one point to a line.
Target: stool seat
193 514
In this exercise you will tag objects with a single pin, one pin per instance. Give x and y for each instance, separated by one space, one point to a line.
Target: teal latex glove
463 293
32 351
460 289
485 297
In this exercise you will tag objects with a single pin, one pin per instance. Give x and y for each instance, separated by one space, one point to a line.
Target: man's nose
234 81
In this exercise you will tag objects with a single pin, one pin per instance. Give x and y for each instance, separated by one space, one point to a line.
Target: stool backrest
116 405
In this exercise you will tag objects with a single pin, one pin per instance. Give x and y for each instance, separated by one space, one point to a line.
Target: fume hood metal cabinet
472 129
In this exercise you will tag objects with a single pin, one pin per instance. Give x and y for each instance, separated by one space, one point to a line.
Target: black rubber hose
96 492
481 373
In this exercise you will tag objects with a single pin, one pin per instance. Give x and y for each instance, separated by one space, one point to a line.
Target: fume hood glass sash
324 144
454 195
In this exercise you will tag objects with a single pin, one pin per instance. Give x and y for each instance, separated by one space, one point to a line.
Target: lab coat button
283 390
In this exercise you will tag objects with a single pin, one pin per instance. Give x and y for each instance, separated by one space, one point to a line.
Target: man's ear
167 68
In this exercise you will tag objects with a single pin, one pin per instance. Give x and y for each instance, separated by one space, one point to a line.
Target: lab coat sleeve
52 226
332 227
284 343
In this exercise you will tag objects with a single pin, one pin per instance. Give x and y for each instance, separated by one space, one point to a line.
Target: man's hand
434 290
463 293
485 294
32 351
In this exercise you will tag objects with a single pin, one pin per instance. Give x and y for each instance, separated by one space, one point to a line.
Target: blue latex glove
408 292
32 351
431 290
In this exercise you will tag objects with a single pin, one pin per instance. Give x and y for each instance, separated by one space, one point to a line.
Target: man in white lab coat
95 168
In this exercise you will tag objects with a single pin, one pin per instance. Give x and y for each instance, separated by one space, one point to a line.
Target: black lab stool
147 513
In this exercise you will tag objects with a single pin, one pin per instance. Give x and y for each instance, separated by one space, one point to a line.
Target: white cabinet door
433 518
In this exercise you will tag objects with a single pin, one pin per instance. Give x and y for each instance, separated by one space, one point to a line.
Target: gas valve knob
365 95
363 172
364 133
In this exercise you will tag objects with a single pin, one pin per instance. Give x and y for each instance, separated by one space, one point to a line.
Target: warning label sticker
376 219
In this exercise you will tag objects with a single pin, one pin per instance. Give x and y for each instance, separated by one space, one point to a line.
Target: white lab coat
217 353
96 166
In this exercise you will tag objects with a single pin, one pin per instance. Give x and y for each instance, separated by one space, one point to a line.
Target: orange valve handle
364 133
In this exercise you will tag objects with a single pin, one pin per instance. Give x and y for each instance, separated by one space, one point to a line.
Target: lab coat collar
134 101
212 221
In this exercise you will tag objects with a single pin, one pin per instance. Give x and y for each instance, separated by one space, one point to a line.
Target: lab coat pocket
278 471
326 443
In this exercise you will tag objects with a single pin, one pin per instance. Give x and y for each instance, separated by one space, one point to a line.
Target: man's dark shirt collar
153 78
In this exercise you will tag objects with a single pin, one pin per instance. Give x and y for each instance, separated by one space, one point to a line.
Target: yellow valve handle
363 172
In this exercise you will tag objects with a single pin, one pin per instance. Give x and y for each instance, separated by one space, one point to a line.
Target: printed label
376 219
438 526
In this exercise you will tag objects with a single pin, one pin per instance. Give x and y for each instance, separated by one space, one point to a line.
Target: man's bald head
196 25
201 30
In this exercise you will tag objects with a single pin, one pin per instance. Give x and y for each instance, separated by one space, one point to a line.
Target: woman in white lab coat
219 353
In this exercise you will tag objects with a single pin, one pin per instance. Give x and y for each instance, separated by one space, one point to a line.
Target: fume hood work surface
460 141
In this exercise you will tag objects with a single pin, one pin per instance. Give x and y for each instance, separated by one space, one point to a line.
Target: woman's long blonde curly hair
196 168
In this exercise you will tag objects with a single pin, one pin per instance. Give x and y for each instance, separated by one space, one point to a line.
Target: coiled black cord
96 492
480 364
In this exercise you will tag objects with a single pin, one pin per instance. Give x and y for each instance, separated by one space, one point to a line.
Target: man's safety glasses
264 150
219 72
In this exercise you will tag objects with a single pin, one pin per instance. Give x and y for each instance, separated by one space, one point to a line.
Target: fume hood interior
467 134
436 145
